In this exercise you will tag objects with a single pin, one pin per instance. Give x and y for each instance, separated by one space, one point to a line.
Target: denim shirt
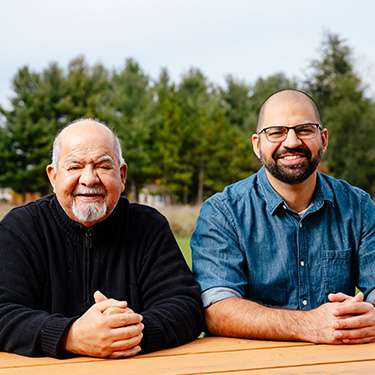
249 244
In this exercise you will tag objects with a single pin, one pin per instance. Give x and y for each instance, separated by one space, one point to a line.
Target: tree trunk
134 191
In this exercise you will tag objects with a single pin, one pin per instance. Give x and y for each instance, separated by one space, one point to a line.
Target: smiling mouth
292 161
292 157
88 197
89 194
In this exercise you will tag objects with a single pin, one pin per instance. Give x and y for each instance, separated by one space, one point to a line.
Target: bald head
287 97
88 174
81 128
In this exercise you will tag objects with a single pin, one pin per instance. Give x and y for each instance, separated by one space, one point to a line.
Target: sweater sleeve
172 307
25 326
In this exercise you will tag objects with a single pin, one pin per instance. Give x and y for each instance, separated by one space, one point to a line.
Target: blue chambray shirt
249 244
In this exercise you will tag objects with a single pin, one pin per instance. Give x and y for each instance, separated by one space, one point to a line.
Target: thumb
339 297
103 303
99 297
358 297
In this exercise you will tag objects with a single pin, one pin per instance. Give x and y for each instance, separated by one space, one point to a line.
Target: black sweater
50 266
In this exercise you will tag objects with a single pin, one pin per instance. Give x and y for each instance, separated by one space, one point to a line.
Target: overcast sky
247 39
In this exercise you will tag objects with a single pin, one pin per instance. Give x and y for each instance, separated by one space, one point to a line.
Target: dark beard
293 174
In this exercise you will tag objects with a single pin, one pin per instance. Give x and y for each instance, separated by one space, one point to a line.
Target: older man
84 271
279 254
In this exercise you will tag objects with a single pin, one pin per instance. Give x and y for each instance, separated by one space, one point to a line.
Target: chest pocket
338 271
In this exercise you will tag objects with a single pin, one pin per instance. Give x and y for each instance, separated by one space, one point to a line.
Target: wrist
67 341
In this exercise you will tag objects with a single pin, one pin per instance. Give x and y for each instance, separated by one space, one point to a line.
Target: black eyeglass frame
287 131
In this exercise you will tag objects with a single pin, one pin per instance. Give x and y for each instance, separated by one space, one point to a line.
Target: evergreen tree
346 112
218 152
237 104
169 141
130 111
26 139
85 91
200 104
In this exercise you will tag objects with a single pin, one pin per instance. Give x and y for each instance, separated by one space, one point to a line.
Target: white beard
88 212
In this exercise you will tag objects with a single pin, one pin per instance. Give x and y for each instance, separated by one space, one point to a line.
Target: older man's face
89 179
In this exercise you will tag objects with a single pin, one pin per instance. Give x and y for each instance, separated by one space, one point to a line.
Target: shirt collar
322 193
272 198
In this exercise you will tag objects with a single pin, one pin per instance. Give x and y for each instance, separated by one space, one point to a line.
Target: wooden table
212 355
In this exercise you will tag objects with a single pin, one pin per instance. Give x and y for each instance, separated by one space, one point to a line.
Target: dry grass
4 209
182 219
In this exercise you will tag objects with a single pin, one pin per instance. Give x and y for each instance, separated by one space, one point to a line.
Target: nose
89 176
292 140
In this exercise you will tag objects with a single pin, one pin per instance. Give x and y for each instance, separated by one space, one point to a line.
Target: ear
325 139
255 140
123 173
51 175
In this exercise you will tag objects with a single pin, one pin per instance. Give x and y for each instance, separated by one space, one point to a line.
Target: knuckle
125 319
105 353
103 322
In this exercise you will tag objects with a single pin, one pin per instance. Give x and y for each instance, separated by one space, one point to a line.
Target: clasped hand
107 329
355 319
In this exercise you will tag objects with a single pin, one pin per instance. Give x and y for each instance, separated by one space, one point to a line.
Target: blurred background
181 83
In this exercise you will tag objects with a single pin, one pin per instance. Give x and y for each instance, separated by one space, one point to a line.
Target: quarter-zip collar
75 230
91 244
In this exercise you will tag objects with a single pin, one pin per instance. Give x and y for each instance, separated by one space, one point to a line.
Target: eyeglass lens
279 133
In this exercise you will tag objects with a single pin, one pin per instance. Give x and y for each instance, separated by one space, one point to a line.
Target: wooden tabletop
211 355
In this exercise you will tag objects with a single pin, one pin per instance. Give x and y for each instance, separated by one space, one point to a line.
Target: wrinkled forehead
98 160
87 139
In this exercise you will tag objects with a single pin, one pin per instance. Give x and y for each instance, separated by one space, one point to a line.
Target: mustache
87 191
286 150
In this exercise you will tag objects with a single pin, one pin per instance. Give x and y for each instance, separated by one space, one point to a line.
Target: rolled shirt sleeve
213 295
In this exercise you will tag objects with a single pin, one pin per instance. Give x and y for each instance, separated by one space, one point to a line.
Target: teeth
291 157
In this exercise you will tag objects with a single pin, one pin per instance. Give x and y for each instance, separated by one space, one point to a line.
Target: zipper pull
88 239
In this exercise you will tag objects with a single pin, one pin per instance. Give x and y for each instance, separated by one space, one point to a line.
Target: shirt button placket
303 292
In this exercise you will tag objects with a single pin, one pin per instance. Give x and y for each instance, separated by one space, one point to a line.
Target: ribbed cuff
152 335
52 335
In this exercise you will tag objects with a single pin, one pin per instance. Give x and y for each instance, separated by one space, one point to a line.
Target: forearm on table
238 317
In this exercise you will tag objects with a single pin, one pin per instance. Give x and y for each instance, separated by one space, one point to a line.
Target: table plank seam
278 367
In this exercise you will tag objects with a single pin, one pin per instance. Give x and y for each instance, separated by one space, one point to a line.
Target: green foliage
237 104
169 134
191 138
26 140
85 90
200 107
347 114
184 244
129 111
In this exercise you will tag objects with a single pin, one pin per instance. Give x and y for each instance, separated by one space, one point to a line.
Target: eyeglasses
279 133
